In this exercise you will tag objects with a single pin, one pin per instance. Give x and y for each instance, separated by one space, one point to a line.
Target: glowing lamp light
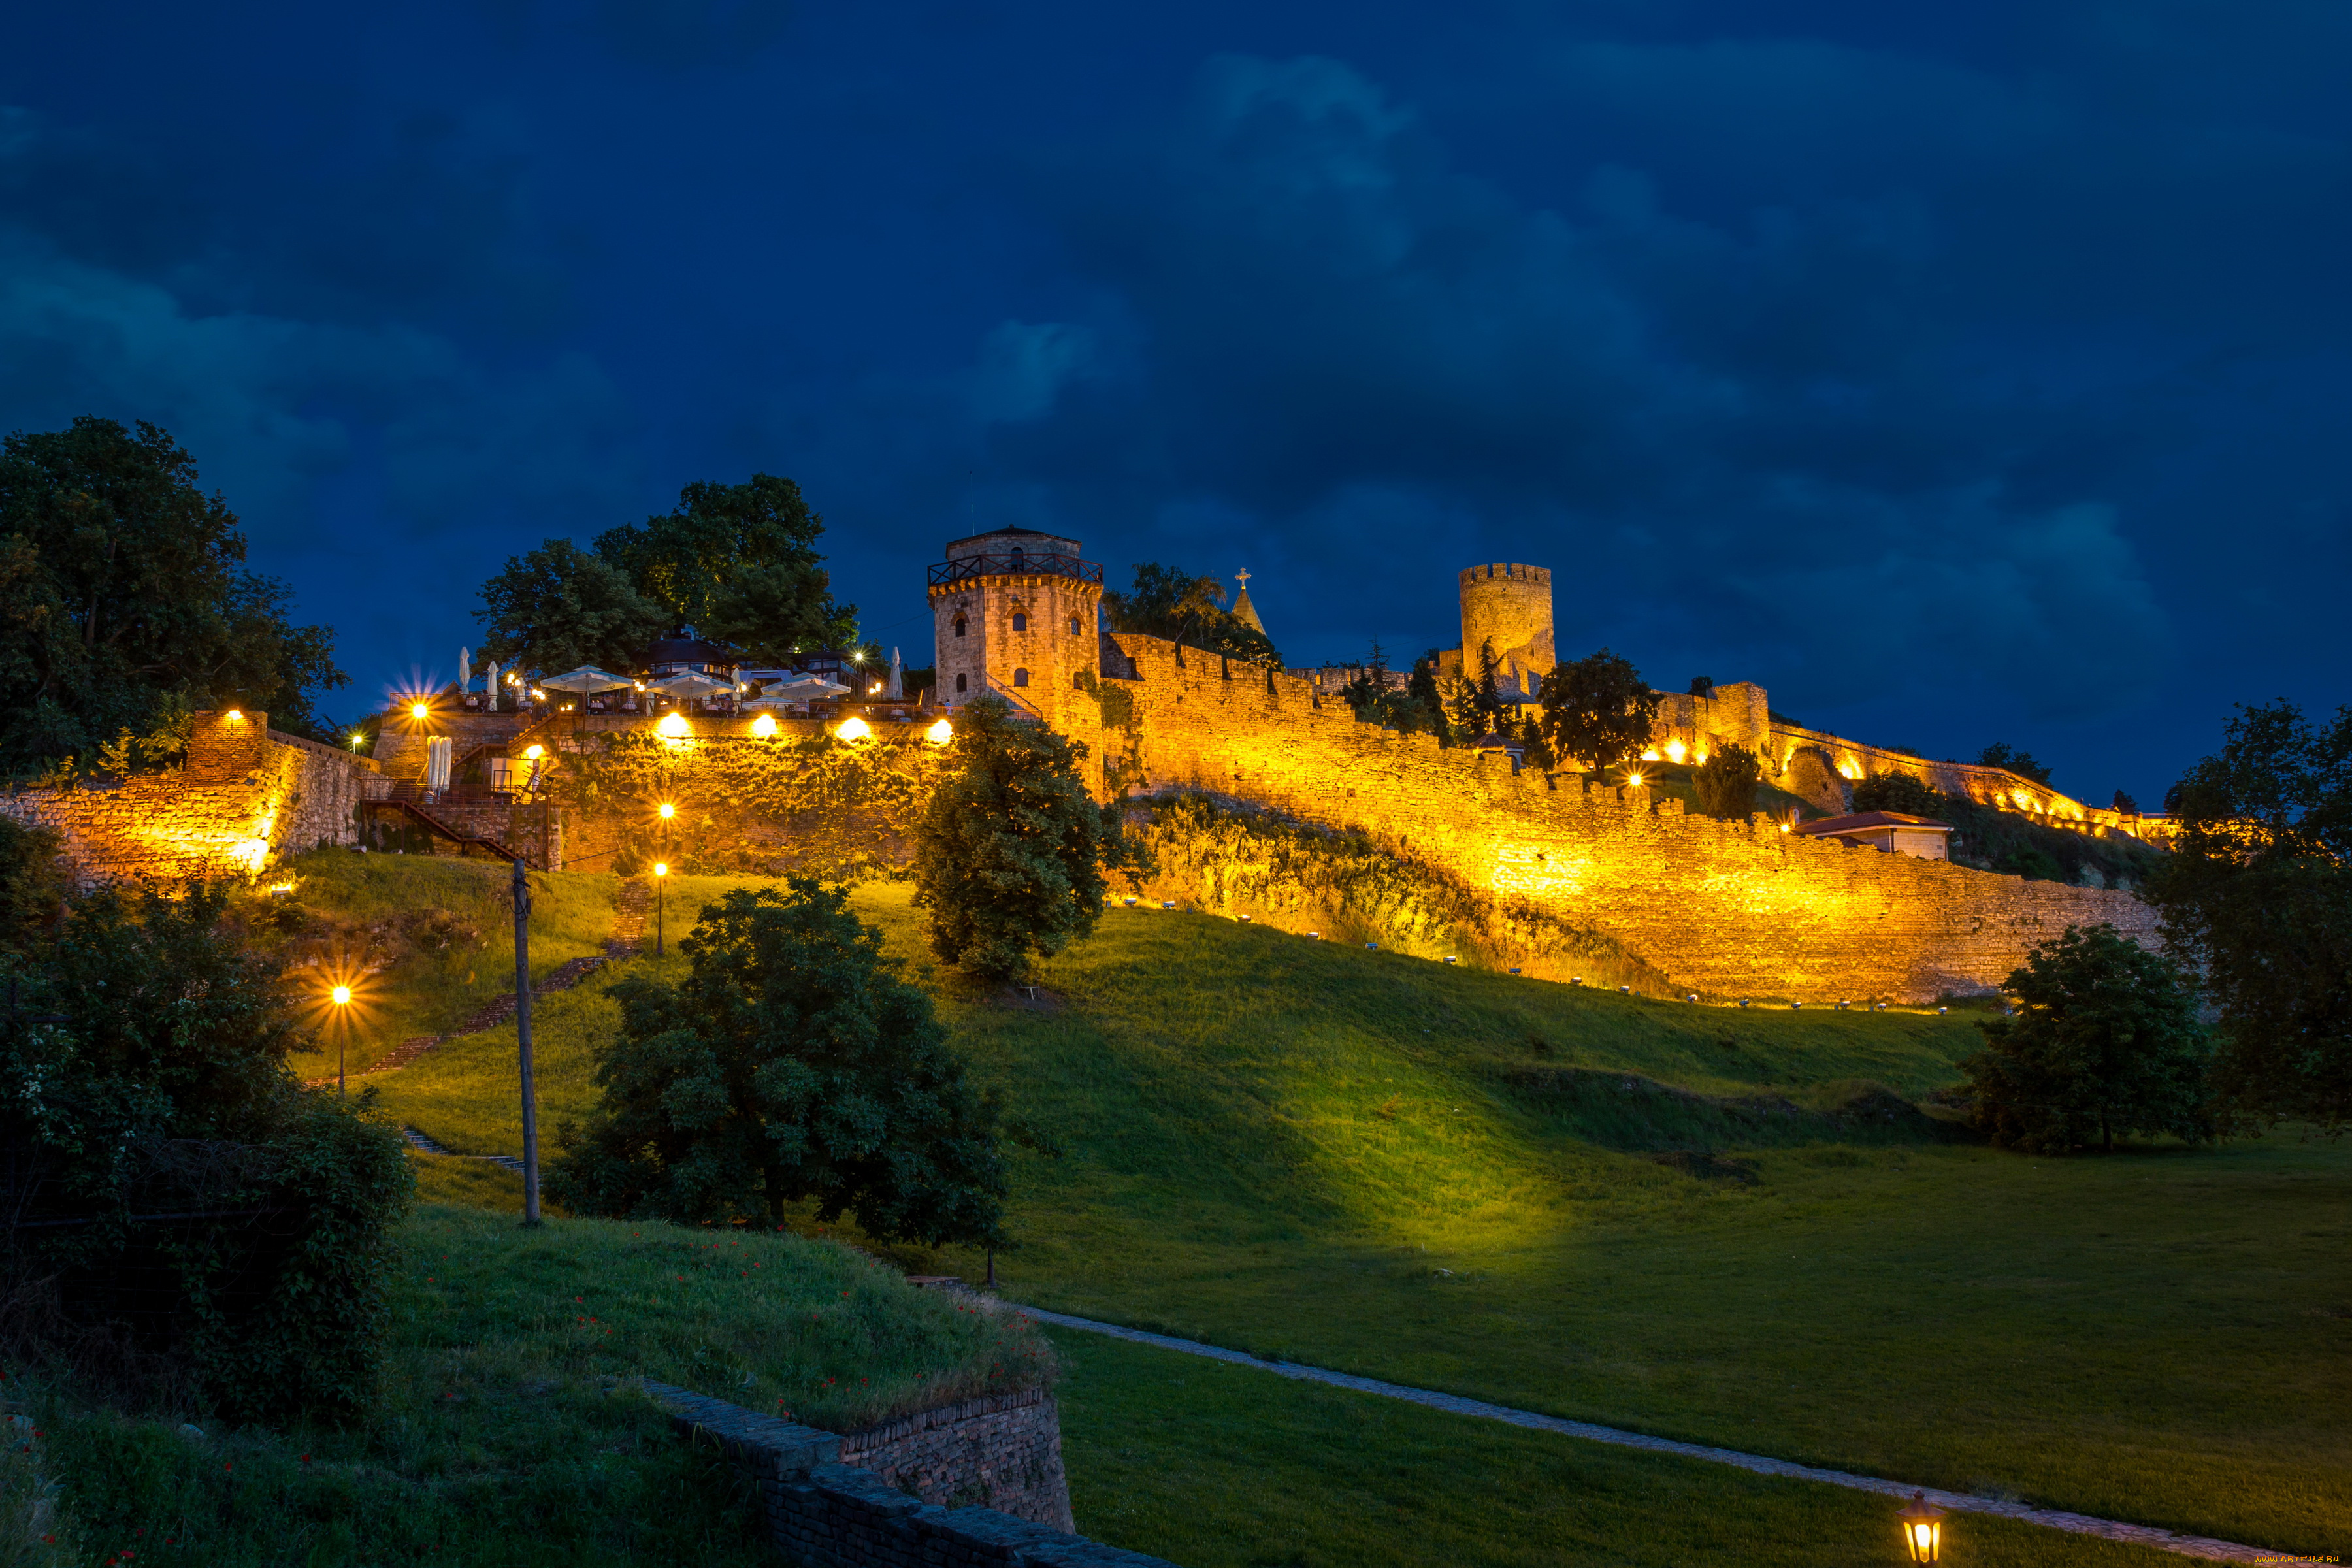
418 710
854 730
764 727
674 727
357 739
661 867
1633 781
1651 756
941 734
1675 751
343 995
236 714
666 810
1923 1529
532 754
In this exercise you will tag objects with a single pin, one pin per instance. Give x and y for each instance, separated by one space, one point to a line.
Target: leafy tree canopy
1167 603
1599 710
2257 896
1725 782
2001 754
124 600
1010 857
791 1063
2104 1042
736 562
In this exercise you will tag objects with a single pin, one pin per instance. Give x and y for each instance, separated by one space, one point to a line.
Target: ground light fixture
853 730
1923 1529
941 734
661 871
341 997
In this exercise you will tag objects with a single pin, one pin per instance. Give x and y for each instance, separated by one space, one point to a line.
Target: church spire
1242 610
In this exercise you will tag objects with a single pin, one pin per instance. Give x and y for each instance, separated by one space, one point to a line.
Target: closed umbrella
465 671
896 690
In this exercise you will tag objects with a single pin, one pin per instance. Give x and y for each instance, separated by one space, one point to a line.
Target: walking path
1958 1502
418 1139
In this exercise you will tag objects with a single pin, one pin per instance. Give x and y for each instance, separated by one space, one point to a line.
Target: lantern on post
1923 1528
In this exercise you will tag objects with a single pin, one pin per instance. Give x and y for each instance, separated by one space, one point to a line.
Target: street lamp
1923 1528
341 997
661 871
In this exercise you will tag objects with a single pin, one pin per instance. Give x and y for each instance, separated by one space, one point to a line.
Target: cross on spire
1242 577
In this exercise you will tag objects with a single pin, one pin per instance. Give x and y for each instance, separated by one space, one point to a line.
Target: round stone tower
1510 607
1014 612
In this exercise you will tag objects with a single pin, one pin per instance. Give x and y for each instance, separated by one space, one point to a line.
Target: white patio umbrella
799 690
586 680
688 683
896 690
465 670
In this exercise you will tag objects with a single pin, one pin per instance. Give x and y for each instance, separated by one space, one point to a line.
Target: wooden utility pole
522 1041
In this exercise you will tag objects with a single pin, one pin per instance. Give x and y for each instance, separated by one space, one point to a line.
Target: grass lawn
1447 1177
508 1432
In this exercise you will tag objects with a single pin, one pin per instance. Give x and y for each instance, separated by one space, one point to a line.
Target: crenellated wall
1727 908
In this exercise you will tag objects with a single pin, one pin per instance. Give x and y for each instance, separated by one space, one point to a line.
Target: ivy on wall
838 810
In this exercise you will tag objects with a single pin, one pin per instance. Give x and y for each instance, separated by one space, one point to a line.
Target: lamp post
341 997
1923 1528
661 874
521 886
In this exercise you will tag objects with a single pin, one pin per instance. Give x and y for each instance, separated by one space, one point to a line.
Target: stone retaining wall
823 1513
1003 1452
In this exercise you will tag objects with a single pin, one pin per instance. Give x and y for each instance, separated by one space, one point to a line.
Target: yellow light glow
236 713
661 867
764 726
673 726
343 995
854 730
538 696
941 734
1651 756
666 810
416 711
1633 781
356 739
1675 751
532 754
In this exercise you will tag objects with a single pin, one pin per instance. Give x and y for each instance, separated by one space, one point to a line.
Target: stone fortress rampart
1727 908
245 796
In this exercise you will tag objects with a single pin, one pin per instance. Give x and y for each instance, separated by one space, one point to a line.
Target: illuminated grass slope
1730 1227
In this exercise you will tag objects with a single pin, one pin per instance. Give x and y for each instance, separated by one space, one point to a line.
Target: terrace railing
963 568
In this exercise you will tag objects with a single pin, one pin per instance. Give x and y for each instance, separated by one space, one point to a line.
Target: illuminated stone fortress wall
1725 909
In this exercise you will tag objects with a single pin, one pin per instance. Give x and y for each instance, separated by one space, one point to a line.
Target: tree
558 607
791 1063
1189 611
1901 791
1422 688
2125 804
2257 898
2105 1041
1599 710
1010 856
123 591
34 886
2001 754
740 564
1725 782
145 1073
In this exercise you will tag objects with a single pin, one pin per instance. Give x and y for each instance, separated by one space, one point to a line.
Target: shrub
215 1231
1010 856
1725 782
2105 1041
791 1063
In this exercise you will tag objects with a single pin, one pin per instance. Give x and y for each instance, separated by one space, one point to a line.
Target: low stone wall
823 1513
1003 1452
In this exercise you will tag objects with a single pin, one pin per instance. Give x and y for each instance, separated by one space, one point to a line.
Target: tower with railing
1015 612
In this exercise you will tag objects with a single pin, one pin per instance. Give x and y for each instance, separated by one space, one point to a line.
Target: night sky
1958 373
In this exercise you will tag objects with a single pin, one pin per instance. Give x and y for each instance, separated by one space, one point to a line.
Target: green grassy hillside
511 1431
1732 1226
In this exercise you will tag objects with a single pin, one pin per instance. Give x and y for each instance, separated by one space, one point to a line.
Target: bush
2105 1041
198 1226
791 1063
1725 782
1010 856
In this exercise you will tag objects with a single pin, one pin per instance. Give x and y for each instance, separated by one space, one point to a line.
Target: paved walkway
1958 1502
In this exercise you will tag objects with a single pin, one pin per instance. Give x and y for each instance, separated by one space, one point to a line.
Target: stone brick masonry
1003 1452
823 1513
1727 908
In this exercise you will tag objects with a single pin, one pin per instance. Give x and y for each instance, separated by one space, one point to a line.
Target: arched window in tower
1020 557
1020 622
1020 678
959 683
1078 680
959 625
1074 626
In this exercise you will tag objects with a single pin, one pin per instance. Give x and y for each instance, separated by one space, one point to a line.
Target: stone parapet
1003 1451
824 1513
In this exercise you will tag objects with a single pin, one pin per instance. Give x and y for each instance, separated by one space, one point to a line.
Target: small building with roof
1894 832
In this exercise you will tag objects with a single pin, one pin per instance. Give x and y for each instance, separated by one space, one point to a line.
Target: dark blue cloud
1956 375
